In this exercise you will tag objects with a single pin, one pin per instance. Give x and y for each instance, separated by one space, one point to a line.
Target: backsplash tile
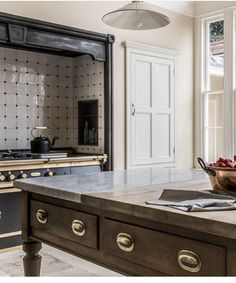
89 85
38 89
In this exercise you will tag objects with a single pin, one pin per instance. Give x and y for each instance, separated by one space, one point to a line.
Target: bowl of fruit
222 173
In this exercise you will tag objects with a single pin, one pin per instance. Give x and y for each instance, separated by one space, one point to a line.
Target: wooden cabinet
169 254
66 223
125 244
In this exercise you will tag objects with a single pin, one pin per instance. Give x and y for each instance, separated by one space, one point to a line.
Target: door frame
149 50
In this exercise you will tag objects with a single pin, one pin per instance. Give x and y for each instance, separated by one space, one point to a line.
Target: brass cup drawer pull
78 227
189 261
125 242
42 216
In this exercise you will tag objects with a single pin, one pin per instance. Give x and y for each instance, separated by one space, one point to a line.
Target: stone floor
54 263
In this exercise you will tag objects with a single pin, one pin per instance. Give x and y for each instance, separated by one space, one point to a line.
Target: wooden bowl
220 178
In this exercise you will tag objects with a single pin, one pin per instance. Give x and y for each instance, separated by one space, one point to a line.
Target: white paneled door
150 109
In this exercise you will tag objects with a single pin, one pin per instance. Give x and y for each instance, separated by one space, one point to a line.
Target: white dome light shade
136 16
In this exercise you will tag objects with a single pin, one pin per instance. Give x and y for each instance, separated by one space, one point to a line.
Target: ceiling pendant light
136 16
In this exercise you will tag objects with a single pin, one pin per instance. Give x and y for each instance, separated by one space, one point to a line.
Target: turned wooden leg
32 260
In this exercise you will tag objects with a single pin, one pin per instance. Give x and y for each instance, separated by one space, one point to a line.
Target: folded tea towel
195 200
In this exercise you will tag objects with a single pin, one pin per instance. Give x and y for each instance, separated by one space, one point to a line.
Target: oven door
10 217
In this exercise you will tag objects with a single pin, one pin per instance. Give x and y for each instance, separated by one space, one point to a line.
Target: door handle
132 109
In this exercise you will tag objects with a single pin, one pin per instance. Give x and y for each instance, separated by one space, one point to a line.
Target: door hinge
173 71
174 150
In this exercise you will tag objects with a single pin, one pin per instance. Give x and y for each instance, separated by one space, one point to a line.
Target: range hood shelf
34 35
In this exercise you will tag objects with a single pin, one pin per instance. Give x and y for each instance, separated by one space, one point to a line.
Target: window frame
229 17
205 88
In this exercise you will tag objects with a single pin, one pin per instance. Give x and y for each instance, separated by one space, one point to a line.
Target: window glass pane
215 110
214 145
215 72
213 121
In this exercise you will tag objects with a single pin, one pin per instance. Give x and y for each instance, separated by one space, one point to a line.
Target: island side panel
25 215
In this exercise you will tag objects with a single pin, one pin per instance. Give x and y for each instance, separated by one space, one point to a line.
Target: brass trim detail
125 242
4 185
52 163
35 174
2 178
11 249
55 164
11 234
42 216
78 227
189 261
11 190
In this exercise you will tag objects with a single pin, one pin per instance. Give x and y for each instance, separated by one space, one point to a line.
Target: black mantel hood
34 35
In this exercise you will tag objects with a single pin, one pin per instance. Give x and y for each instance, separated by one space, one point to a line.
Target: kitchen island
103 218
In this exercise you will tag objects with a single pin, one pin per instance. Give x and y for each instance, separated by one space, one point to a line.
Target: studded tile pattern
89 85
38 89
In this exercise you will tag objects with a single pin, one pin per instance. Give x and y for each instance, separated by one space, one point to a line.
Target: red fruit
222 164
230 165
225 163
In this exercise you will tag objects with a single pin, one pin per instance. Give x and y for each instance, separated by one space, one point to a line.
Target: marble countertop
72 187
126 192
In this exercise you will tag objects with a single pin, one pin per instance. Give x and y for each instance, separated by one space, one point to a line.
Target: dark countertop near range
126 192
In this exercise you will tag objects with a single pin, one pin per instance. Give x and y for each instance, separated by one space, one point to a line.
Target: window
215 87
212 93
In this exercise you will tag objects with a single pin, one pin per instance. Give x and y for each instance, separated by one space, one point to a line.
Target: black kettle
41 144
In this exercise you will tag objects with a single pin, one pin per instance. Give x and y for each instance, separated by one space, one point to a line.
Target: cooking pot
41 144
223 179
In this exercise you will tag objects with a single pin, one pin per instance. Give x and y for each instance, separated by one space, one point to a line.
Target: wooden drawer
59 222
163 252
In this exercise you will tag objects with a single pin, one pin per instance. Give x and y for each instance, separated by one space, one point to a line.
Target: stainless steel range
21 165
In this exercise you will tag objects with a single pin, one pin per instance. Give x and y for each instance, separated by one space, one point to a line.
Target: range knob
11 177
23 175
2 178
49 174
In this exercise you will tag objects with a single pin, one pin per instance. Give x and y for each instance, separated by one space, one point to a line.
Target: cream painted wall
178 35
211 6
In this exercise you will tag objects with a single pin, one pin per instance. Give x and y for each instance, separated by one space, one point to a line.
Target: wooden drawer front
161 251
59 223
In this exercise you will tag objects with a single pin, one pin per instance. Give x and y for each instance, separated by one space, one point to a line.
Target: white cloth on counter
191 201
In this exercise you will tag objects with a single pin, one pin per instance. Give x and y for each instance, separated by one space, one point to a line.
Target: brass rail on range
22 169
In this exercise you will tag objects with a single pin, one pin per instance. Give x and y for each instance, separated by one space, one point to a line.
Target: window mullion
228 85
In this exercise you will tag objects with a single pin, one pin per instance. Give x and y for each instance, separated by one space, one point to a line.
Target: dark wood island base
32 260
127 244
116 229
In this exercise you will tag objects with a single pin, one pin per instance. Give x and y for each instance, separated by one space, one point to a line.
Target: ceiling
193 8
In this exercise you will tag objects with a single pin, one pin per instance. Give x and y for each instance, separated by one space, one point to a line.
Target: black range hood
35 35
